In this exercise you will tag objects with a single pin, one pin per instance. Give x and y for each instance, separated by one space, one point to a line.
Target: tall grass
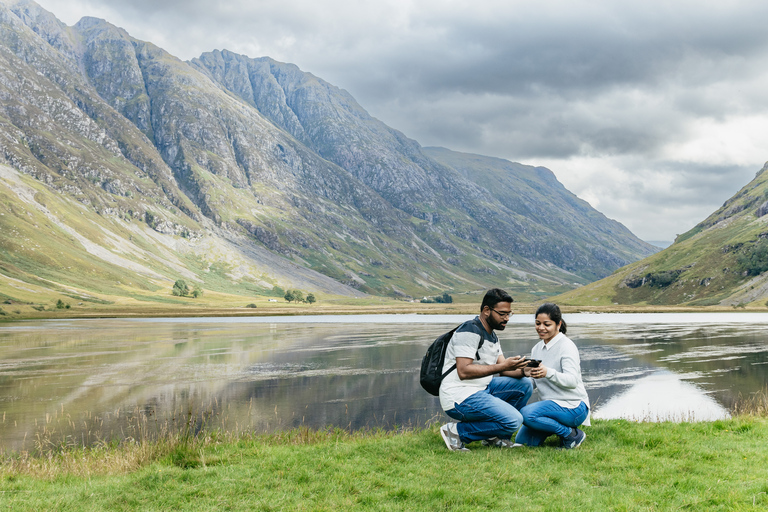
119 442
755 404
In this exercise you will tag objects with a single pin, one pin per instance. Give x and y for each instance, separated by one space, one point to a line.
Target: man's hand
512 363
466 368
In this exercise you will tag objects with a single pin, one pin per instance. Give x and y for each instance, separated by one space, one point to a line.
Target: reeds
123 441
755 404
119 442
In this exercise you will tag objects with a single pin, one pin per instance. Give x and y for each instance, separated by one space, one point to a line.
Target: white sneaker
451 437
500 443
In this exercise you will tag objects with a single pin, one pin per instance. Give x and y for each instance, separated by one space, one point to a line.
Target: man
486 390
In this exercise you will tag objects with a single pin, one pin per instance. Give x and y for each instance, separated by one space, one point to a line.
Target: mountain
126 168
721 261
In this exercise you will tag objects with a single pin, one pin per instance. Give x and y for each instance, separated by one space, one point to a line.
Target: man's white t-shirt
464 343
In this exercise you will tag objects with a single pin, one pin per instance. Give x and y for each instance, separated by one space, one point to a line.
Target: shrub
180 288
655 279
753 259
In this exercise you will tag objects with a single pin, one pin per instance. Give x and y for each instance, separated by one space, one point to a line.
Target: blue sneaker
574 439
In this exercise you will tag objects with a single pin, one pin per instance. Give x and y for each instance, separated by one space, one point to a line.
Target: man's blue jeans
542 419
494 411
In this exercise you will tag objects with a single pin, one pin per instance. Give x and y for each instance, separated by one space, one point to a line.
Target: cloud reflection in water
662 396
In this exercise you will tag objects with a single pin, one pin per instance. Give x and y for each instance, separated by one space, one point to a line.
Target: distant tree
311 298
444 298
150 219
62 305
197 291
180 288
289 297
298 296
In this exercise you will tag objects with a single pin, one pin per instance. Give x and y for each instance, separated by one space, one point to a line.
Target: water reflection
662 396
352 371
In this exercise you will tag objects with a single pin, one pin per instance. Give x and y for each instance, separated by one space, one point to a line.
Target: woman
564 404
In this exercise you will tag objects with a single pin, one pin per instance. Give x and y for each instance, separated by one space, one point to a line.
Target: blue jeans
542 419
494 411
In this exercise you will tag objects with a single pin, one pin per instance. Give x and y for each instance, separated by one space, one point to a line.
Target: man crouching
486 390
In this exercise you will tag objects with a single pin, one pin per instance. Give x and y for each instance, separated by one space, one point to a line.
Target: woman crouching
564 404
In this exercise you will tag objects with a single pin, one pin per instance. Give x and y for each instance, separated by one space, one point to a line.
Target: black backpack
432 363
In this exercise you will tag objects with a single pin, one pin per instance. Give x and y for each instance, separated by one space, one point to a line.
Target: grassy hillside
721 261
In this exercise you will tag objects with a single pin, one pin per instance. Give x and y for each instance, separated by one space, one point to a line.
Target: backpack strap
479 346
477 356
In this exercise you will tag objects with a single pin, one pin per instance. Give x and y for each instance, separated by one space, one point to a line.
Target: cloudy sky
655 112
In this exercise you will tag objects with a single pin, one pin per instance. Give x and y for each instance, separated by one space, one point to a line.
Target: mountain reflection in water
347 371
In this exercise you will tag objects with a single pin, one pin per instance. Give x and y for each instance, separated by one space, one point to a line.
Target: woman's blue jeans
494 411
542 419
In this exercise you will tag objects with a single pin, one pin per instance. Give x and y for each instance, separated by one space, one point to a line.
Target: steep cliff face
278 163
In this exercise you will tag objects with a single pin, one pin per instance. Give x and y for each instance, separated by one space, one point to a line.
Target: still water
347 371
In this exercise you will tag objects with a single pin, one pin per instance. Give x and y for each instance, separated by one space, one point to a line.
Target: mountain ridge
281 167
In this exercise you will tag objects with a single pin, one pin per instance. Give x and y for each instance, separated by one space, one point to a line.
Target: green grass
621 466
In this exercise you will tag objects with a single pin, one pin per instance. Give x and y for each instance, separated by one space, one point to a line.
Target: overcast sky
655 112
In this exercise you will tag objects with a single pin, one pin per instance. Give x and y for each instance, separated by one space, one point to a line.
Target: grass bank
623 465
326 306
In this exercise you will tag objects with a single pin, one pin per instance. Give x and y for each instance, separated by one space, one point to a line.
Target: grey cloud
658 199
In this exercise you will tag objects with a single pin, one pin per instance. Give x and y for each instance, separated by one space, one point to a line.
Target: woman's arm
570 370
569 377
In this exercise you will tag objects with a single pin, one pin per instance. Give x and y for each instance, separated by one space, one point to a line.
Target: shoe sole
446 440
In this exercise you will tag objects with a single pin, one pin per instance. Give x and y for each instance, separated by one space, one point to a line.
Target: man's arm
467 369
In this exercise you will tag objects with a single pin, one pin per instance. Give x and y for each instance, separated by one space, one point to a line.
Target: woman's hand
537 373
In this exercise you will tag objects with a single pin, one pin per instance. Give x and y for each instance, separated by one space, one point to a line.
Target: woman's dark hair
494 296
554 314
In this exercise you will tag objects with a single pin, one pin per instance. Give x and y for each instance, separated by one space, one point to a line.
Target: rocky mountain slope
721 261
246 174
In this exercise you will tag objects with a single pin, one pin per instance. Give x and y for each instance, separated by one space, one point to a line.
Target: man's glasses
502 314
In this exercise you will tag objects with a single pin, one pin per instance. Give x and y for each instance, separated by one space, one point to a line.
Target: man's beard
496 326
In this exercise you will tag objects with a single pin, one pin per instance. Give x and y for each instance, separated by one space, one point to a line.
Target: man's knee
511 422
526 384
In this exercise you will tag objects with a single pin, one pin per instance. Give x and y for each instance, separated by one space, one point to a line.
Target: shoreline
26 312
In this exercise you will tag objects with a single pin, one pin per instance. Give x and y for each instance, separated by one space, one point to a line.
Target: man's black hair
494 296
